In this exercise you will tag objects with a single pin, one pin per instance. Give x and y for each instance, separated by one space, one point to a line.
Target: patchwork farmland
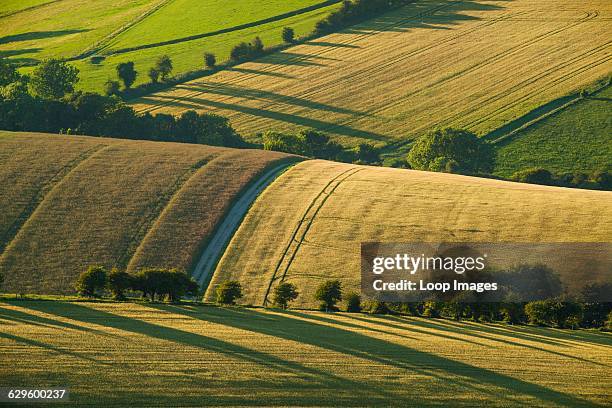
307 226
69 202
141 31
466 64
170 355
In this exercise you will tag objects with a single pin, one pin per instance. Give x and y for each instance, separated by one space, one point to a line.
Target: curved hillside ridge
69 202
307 227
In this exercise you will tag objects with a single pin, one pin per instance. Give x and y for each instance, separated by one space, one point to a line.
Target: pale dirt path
202 273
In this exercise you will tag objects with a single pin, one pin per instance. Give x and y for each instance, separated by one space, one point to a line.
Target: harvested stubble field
469 64
68 202
170 355
308 225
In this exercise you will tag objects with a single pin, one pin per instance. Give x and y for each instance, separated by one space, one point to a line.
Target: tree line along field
307 227
465 64
106 30
69 202
576 138
159 355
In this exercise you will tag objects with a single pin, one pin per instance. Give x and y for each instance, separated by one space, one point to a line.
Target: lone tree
285 293
154 75
8 72
329 293
228 292
126 73
210 60
118 283
451 150
288 35
91 281
53 79
164 66
353 302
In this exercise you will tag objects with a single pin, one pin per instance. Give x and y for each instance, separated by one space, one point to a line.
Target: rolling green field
577 138
160 355
468 64
73 28
307 226
69 202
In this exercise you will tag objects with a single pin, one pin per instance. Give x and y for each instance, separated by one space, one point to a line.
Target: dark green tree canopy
451 150
126 73
53 79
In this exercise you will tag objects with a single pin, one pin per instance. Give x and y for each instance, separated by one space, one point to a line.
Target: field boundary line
12 13
225 231
239 27
147 225
337 180
43 193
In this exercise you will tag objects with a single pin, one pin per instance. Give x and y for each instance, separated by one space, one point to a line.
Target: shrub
284 293
245 51
329 293
534 176
164 66
8 72
431 309
209 60
257 46
368 154
160 282
118 283
451 150
1 280
228 292
608 324
53 79
111 87
284 142
154 75
378 307
91 281
603 179
288 35
126 73
353 302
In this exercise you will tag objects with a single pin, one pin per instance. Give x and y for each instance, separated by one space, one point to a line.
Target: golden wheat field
69 202
308 225
171 355
468 64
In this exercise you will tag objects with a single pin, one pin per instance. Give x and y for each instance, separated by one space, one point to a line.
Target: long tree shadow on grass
38 35
193 102
299 327
323 380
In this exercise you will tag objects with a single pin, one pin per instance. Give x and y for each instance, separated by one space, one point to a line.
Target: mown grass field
109 30
69 202
468 64
307 227
577 138
161 355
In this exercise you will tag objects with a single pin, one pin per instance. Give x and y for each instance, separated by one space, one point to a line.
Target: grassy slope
307 227
433 63
574 139
189 55
150 355
118 198
12 6
59 34
64 28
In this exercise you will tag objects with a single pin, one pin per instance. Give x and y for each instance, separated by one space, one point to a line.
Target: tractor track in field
304 225
49 187
246 77
589 16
